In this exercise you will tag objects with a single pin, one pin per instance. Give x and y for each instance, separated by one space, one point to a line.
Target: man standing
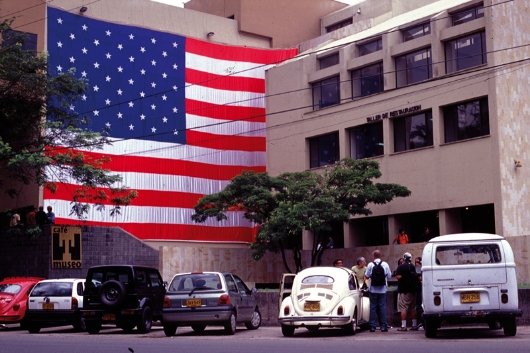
407 292
50 215
360 270
378 272
40 216
401 238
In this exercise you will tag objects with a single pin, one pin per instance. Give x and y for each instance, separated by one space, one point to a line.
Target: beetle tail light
340 310
224 300
167 302
75 303
16 306
286 310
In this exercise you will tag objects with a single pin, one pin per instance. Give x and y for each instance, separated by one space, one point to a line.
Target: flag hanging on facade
185 117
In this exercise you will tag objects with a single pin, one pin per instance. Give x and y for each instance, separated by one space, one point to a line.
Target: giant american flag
185 116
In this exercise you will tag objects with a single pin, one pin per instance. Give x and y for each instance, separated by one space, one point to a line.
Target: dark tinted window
141 278
466 120
413 67
79 289
368 80
28 40
329 61
467 15
416 31
465 52
412 132
324 150
338 25
97 277
326 93
156 281
367 141
52 289
370 47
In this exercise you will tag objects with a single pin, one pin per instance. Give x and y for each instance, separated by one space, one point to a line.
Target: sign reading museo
394 113
66 247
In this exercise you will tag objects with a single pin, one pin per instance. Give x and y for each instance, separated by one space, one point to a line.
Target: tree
285 205
42 135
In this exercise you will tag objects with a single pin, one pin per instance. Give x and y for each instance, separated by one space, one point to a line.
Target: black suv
126 295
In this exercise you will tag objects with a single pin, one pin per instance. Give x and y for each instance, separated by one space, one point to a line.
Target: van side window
468 254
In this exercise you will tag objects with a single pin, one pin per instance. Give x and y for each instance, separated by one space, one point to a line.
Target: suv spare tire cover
112 293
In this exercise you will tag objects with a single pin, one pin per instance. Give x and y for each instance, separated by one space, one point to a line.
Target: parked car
469 278
55 302
200 299
13 298
125 295
324 297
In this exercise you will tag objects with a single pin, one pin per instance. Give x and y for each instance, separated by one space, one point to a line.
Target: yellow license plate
47 306
109 317
193 303
469 297
311 306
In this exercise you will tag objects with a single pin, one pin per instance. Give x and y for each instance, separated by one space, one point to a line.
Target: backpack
412 281
378 277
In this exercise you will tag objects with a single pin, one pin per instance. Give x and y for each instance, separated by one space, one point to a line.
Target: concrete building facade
436 93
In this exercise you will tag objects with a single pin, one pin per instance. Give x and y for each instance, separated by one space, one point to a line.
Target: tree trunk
285 265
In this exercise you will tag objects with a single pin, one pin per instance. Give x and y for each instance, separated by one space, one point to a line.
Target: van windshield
468 254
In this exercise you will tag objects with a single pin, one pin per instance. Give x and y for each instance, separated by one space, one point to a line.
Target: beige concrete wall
268 270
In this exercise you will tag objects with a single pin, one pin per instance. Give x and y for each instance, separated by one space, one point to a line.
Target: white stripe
220 97
166 150
224 127
159 182
145 214
226 67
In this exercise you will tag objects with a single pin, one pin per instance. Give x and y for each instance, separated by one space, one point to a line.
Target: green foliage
41 131
285 205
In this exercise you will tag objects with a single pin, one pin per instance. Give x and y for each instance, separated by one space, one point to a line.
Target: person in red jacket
401 238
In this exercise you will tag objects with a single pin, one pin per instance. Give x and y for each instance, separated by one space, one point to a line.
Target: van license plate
469 297
47 306
109 317
193 303
311 306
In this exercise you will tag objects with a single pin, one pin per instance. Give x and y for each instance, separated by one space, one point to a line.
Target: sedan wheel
255 321
198 328
93 327
32 328
230 325
170 330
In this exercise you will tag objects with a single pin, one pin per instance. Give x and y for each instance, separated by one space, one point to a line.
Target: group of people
34 218
375 276
403 238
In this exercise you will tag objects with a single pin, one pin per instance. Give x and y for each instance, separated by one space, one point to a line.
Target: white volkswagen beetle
324 297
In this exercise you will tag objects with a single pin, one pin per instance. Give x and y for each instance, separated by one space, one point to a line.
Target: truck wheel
93 327
430 328
510 327
146 321
288 331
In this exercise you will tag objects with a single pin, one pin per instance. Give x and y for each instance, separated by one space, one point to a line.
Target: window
323 150
370 47
326 93
241 285
413 67
28 40
414 131
465 52
341 24
328 61
367 141
368 80
232 287
468 254
416 31
466 120
467 15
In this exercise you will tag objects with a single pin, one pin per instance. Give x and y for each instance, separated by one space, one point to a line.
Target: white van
469 278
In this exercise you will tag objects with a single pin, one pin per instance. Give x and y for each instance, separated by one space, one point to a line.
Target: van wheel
493 325
510 327
288 331
146 321
430 328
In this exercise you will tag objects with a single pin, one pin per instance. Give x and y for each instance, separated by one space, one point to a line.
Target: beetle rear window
10 288
318 279
468 254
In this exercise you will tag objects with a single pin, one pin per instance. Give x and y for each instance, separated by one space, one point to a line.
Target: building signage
66 247
394 113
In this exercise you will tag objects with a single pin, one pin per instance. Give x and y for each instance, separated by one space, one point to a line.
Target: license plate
109 317
469 297
47 306
193 303
311 306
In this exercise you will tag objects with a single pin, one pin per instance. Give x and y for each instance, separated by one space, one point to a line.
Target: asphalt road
263 340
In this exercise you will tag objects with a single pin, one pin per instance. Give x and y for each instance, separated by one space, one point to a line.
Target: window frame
378 146
315 147
365 46
406 143
357 83
407 71
411 28
318 91
328 61
476 12
339 25
452 65
454 127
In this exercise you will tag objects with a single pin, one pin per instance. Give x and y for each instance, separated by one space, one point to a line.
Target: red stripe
152 165
225 112
152 231
228 83
226 142
152 198
242 54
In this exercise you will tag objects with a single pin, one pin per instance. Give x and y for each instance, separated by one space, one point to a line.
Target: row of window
461 121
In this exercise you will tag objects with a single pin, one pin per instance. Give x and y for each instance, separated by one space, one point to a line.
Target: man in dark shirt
41 217
407 292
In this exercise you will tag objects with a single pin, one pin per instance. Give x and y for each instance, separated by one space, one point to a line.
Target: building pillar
307 240
450 221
